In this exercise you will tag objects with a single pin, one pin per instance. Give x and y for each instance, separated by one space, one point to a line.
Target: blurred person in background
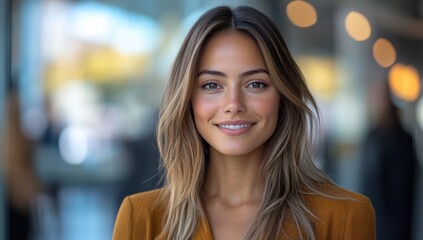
21 181
389 166
234 134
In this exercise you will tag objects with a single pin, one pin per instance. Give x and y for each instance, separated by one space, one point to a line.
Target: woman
234 134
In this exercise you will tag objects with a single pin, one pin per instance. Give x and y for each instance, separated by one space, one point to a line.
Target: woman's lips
235 128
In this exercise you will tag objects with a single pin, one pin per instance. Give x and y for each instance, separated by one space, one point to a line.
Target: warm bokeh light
319 72
101 65
384 52
404 82
96 42
301 13
357 25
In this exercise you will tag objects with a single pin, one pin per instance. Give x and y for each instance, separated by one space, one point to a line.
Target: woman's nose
234 101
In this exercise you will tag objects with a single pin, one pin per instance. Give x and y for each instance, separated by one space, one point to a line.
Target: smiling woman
234 134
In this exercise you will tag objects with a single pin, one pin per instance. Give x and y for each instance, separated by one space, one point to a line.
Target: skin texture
234 90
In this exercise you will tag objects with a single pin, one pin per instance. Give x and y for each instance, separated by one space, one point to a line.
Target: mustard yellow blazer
140 217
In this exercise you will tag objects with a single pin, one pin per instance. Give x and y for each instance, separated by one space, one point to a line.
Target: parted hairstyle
287 169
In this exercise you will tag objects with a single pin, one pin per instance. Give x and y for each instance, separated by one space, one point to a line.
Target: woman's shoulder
140 215
146 199
336 196
332 189
148 204
340 212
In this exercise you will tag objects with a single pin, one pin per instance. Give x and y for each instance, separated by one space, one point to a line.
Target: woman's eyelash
210 85
257 84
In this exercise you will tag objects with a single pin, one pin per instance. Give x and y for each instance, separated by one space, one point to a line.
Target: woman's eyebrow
252 72
211 72
242 75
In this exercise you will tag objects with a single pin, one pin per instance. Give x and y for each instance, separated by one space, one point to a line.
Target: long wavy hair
288 169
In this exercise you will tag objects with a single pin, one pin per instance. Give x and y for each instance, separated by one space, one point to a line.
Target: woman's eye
210 86
257 85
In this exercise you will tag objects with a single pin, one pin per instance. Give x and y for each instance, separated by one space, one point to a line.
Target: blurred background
81 80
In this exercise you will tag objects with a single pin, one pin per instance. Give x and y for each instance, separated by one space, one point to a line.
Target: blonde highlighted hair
288 167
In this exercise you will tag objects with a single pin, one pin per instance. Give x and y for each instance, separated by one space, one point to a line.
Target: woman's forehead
229 50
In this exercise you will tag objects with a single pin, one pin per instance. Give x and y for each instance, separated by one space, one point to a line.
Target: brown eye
256 85
211 86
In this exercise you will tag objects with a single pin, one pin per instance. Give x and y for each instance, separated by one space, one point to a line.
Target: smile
234 126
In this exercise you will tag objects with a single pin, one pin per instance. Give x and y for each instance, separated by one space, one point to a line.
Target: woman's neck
234 180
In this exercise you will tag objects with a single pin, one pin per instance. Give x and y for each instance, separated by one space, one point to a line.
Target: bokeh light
73 145
319 72
384 53
357 26
97 42
404 82
301 13
99 23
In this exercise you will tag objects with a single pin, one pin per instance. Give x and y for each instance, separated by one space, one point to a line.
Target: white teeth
234 127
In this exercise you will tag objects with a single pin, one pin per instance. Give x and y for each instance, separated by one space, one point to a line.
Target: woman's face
235 104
